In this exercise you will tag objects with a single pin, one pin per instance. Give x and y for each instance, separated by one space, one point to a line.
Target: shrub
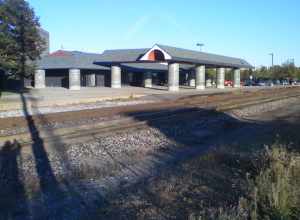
273 194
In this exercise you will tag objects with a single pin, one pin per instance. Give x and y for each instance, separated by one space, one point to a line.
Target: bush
273 194
275 191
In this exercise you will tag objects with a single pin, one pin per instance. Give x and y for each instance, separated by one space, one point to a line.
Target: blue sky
249 29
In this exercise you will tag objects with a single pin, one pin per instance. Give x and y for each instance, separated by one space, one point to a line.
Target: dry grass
273 194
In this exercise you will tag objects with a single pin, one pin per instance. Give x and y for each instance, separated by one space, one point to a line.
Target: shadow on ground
195 132
16 204
216 179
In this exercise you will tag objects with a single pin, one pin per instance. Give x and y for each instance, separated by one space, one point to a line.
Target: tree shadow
195 131
193 126
55 198
13 202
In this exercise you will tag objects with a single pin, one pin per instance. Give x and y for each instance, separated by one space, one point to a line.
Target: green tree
7 43
246 73
298 73
210 73
20 41
263 72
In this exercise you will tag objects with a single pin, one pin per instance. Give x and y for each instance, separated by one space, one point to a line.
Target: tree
7 43
210 73
298 73
20 41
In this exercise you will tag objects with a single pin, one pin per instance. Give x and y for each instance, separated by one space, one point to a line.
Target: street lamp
272 55
200 45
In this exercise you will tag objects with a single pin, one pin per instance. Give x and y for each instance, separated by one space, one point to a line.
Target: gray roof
130 58
128 55
70 59
192 56
178 55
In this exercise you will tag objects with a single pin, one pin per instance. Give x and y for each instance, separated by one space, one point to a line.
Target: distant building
160 65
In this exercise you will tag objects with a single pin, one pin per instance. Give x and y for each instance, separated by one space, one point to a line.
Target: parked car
228 83
249 83
276 82
293 82
261 83
284 82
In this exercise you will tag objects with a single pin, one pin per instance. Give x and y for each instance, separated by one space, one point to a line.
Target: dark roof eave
179 60
209 63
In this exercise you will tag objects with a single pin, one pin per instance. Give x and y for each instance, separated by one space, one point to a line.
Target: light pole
200 45
272 55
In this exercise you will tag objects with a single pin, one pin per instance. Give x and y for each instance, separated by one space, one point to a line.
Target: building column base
220 78
148 80
173 88
115 86
74 79
116 77
200 87
39 79
173 77
237 78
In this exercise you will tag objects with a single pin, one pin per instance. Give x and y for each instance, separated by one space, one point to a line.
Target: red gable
60 53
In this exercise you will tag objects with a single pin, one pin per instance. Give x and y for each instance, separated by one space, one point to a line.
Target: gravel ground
264 107
73 174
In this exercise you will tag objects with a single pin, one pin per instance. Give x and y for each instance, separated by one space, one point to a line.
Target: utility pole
200 45
272 55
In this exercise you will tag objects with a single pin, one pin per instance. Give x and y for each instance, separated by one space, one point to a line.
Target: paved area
50 97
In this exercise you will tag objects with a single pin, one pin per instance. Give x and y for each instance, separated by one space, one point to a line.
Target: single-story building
163 65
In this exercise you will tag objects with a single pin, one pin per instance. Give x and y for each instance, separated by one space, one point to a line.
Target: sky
249 29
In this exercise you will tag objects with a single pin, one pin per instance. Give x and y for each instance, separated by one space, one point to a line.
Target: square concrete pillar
148 80
39 79
220 78
115 77
200 77
237 78
74 79
173 77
